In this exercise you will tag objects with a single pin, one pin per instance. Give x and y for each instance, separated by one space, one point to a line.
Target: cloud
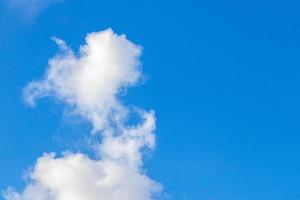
28 8
90 83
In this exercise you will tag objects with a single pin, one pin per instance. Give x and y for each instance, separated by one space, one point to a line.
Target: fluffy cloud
89 83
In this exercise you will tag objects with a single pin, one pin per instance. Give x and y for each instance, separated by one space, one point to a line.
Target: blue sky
222 77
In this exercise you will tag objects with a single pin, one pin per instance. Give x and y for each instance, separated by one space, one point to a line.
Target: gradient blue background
223 78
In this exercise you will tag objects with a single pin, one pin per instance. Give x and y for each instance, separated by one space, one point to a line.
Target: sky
206 91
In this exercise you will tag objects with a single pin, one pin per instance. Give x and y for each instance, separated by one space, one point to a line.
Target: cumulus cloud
28 8
89 83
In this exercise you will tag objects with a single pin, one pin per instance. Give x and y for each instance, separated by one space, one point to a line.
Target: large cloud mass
89 83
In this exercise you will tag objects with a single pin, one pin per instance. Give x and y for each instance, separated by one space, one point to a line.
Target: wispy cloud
28 9
89 83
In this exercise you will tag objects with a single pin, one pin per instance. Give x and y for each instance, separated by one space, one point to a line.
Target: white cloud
28 8
89 83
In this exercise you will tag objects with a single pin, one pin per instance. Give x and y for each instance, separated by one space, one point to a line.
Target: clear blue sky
222 76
